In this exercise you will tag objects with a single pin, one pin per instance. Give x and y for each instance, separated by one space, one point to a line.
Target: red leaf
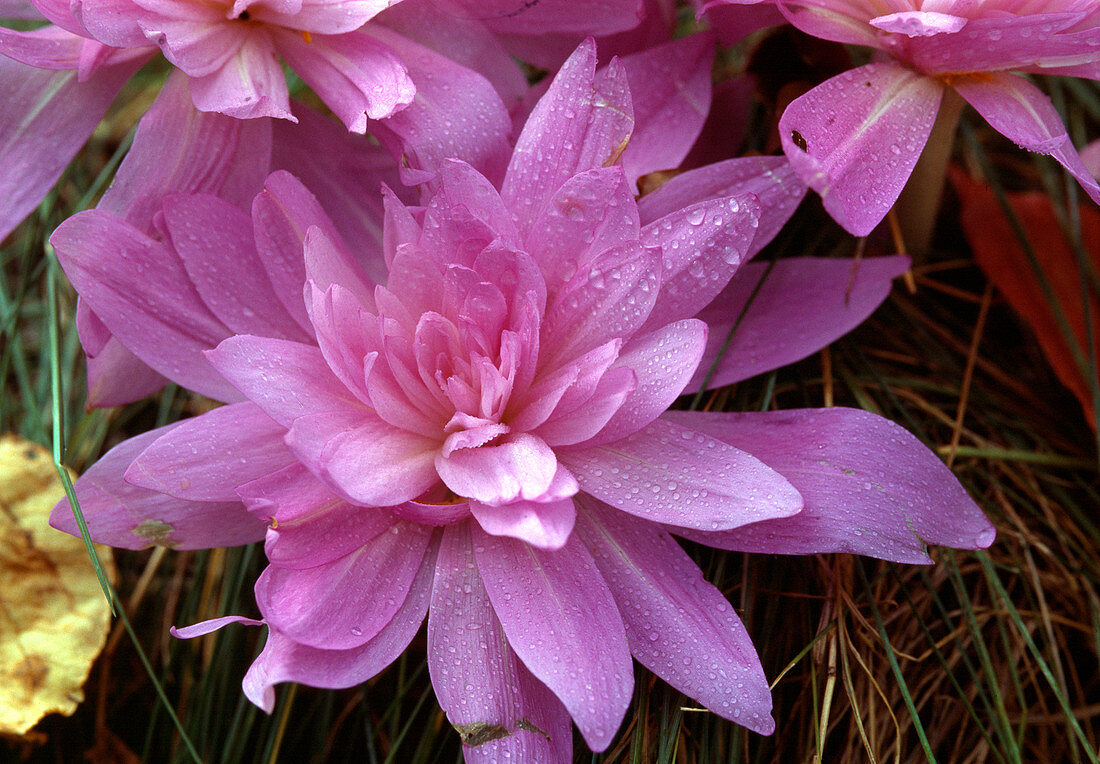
999 254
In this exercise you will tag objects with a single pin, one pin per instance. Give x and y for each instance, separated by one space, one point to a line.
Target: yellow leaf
53 615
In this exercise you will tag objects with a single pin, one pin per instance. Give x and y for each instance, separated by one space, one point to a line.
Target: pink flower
856 137
483 438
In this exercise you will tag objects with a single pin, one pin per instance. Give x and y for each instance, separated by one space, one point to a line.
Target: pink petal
286 379
670 86
590 417
870 487
545 525
673 474
323 16
856 137
521 468
456 114
840 22
140 290
130 517
584 121
919 23
346 602
579 17
171 155
364 459
702 246
477 677
284 660
115 375
206 627
340 323
678 626
46 118
356 75
249 84
809 302
1023 113
1005 41
562 622
344 171
189 462
612 298
591 212
112 22
663 362
771 179
215 244
464 40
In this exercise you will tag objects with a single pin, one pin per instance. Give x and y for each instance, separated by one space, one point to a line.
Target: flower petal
189 462
679 626
584 121
344 603
855 139
870 487
1023 113
771 179
130 517
284 660
545 525
489 696
834 296
521 468
562 622
139 289
669 473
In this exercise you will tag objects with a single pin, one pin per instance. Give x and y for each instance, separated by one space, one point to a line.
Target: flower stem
919 202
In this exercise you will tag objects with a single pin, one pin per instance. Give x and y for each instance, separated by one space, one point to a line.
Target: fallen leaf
999 254
53 615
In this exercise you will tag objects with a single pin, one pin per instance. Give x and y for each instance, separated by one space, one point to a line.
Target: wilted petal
855 139
679 626
130 517
562 622
490 697
670 473
885 501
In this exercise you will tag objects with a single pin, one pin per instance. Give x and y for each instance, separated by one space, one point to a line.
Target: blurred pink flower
483 438
856 137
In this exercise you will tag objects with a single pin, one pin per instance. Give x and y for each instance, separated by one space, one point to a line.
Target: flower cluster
446 358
